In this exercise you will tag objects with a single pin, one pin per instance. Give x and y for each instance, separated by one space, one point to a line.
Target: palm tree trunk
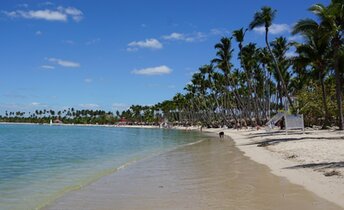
324 99
248 78
339 91
284 87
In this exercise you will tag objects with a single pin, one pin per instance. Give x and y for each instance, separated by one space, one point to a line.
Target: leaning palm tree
264 18
331 27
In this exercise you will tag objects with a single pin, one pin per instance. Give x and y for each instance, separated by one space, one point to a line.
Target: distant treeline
134 115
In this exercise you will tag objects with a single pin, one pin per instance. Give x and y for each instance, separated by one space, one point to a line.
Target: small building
57 121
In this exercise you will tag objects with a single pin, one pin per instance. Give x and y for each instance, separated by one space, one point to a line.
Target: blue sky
109 54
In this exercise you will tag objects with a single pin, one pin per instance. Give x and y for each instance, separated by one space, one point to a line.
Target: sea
40 163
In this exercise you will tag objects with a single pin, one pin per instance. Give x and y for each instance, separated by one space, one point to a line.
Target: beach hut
57 121
123 121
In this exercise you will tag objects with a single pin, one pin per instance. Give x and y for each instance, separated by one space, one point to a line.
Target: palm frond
317 8
305 26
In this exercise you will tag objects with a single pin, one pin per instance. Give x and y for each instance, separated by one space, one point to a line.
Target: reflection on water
210 175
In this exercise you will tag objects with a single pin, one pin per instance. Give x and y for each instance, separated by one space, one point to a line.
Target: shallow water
212 174
41 163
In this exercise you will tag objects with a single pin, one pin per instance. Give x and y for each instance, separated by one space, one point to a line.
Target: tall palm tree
249 60
331 27
265 62
264 17
239 36
315 53
279 48
222 61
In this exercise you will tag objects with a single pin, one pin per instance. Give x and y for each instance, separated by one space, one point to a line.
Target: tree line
267 80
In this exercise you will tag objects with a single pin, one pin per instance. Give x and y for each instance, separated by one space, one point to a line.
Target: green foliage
310 103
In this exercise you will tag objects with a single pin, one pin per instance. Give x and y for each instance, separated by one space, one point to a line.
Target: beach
231 106
313 159
211 174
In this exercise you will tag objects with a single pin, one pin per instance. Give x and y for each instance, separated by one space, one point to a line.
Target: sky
110 54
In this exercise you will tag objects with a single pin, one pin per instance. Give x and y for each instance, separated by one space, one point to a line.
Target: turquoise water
40 163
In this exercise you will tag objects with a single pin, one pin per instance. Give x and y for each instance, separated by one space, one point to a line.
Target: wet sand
212 174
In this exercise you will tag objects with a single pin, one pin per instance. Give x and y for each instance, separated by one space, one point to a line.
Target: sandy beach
212 174
313 160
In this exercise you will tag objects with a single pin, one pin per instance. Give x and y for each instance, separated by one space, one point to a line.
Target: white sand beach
314 160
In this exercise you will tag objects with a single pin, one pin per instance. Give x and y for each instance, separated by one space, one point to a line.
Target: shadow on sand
317 166
273 140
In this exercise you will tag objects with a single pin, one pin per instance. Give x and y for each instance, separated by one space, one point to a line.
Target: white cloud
148 43
49 15
88 80
38 33
61 14
159 70
74 13
47 67
64 63
274 29
174 36
196 36
89 106
35 104
219 31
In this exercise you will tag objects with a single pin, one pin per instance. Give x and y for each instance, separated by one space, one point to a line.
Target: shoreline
287 155
194 176
291 156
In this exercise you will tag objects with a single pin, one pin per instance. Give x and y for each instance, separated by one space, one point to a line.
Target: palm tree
279 48
265 62
239 36
222 61
249 61
264 17
315 53
331 27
